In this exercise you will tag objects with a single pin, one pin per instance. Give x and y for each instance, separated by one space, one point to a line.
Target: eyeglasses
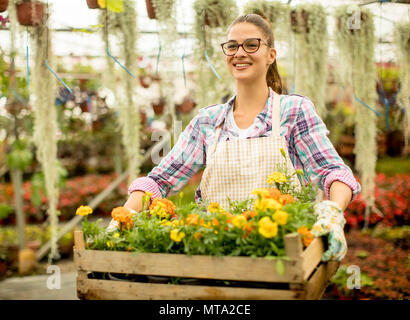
251 45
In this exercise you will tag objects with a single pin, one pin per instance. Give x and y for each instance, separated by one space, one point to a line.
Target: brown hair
272 76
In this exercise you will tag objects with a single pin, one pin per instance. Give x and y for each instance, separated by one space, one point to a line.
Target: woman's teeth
242 65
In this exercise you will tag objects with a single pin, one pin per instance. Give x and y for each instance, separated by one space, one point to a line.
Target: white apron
236 167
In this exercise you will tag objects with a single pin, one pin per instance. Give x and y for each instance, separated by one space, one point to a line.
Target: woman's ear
272 55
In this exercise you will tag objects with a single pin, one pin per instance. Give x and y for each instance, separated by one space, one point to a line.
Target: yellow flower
110 244
267 203
239 221
177 235
83 211
116 235
214 207
262 192
281 217
277 176
267 228
165 223
175 223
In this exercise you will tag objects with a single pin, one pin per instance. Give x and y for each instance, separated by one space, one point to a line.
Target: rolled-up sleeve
185 159
317 154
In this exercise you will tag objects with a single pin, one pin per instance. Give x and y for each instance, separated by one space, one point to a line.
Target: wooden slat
293 245
312 257
180 265
317 284
92 289
79 240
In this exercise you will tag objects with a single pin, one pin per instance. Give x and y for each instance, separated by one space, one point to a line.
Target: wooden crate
304 277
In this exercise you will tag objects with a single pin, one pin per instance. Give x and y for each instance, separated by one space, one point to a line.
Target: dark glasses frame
241 45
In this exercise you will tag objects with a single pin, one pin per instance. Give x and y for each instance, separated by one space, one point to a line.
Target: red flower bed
77 191
385 264
392 200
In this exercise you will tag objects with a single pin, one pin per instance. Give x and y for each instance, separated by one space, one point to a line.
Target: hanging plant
187 105
277 13
159 9
93 4
212 74
43 95
402 43
355 47
30 13
124 26
309 26
3 5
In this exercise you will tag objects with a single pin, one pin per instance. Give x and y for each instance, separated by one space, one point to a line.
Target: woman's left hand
330 222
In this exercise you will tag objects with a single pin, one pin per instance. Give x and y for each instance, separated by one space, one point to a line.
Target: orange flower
123 216
307 236
197 235
192 219
248 227
163 206
249 214
273 193
286 198
215 222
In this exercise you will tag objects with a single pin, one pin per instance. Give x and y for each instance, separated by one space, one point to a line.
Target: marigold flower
277 177
307 236
84 211
192 219
274 193
267 228
162 207
177 235
248 227
239 221
215 222
281 217
286 198
249 214
165 223
260 192
116 235
110 244
267 203
123 216
214 207
197 235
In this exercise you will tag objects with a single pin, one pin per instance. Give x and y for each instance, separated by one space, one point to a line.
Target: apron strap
275 114
217 134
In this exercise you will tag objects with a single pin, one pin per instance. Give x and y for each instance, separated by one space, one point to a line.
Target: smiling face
249 67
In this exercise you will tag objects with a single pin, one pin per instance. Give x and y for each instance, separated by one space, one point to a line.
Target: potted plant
159 9
187 105
214 13
150 9
30 13
159 106
3 5
93 4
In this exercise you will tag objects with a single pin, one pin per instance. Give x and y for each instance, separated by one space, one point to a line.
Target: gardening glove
330 222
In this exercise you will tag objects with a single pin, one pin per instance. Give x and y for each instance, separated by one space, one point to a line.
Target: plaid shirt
305 133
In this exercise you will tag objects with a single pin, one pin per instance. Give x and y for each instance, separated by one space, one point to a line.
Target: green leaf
280 267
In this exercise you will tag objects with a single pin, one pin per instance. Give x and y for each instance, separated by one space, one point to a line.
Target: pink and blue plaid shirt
305 133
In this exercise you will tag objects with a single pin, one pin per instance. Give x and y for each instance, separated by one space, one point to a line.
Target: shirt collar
265 116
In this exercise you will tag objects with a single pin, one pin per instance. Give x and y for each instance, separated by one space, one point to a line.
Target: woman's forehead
242 31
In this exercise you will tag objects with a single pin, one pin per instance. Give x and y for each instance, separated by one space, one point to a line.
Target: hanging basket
30 13
150 9
93 4
299 21
187 105
159 107
3 5
145 81
363 19
211 18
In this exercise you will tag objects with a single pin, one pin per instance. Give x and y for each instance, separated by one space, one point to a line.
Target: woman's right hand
134 202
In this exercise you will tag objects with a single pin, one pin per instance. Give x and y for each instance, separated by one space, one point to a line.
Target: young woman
239 142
